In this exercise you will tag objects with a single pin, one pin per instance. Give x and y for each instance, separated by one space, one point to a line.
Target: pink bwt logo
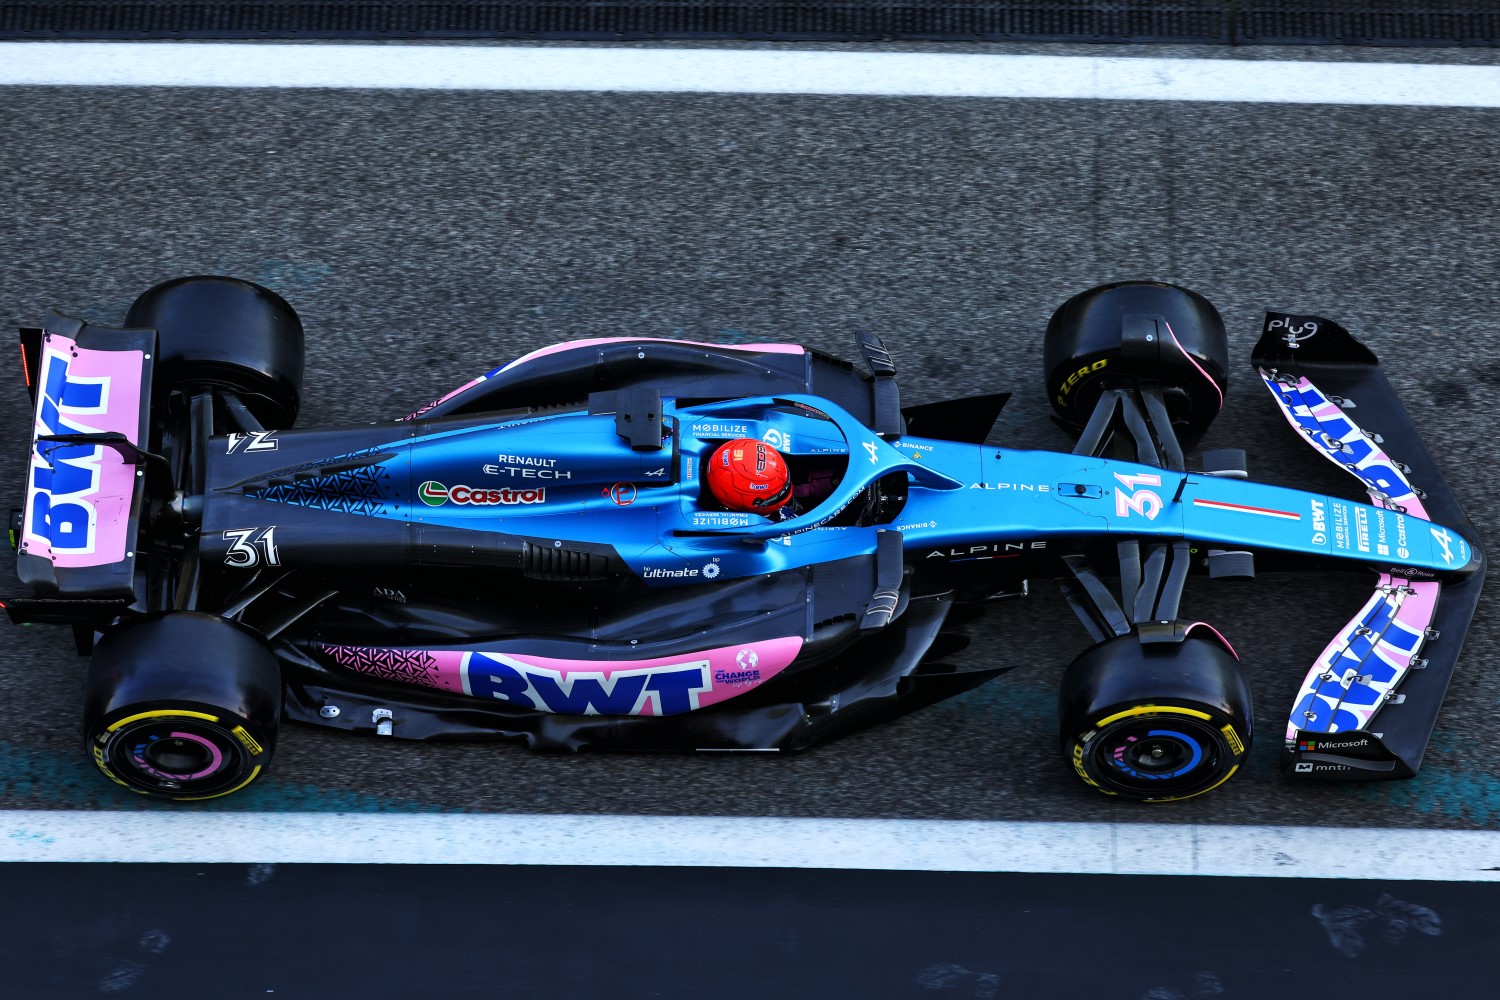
653 686
65 478
79 495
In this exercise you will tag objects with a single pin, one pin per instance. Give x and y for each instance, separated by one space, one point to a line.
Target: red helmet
749 475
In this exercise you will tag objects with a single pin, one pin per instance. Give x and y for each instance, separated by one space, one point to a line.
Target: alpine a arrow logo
1444 540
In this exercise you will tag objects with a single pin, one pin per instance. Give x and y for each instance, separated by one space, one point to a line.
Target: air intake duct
567 562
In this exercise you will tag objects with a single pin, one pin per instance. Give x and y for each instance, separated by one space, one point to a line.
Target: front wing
1369 702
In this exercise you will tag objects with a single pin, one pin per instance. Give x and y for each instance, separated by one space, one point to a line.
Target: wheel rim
1159 756
181 756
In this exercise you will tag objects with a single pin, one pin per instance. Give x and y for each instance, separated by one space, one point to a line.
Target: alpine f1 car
534 557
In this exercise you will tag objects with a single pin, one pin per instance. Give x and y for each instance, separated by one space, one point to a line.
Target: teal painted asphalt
51 780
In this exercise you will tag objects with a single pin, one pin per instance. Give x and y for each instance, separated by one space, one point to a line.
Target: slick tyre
1155 722
224 333
182 706
1138 332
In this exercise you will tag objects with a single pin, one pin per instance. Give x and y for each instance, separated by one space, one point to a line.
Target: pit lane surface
728 933
426 236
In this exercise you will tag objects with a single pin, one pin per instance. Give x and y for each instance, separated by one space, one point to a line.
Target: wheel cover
1158 753
179 754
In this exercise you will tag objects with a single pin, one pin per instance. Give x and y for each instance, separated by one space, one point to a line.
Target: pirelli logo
1078 765
255 748
1067 384
1233 737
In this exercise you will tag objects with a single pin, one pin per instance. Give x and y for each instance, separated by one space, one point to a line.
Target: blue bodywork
571 478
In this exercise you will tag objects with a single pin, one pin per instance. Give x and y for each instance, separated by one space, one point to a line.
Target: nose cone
1475 563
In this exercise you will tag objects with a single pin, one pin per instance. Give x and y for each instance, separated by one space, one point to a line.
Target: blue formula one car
535 557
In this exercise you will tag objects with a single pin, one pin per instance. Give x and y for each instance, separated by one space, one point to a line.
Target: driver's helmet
749 475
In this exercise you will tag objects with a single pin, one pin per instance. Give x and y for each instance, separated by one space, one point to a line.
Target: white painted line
895 845
734 71
1241 508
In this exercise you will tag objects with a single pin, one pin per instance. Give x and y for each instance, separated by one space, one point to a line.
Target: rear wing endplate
84 484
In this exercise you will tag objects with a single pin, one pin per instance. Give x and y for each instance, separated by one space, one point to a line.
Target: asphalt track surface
426 236
731 934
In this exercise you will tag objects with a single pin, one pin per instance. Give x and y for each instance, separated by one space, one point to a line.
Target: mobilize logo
435 494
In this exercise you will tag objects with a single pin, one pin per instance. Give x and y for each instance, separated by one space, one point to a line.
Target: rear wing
91 389
1368 704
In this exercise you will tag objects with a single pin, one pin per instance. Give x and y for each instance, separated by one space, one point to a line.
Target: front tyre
1137 333
1155 722
182 706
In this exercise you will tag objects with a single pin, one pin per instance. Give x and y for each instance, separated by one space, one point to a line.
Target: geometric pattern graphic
353 491
407 666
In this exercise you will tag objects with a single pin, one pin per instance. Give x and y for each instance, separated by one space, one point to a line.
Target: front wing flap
1369 702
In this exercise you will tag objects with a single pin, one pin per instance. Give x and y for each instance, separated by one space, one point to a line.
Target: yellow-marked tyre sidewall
1155 721
1225 743
229 751
182 705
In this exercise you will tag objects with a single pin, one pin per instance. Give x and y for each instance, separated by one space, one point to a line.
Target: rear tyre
1138 332
182 706
229 334
1155 722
